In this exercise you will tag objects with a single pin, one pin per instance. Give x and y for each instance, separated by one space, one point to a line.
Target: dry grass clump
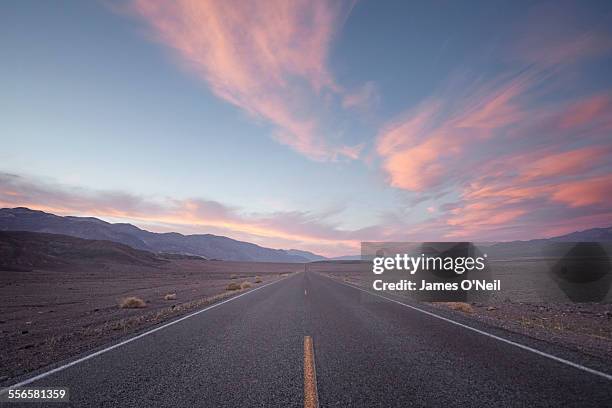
170 296
233 276
132 302
459 306
233 286
258 279
245 285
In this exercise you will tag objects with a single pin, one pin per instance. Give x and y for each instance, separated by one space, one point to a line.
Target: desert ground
62 296
50 314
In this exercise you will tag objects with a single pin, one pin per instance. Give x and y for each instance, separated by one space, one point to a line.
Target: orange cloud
268 58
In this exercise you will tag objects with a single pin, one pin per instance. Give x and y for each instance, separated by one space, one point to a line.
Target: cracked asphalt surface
369 352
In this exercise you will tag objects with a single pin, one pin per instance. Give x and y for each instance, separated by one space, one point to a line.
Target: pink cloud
500 212
268 58
565 226
585 192
292 229
518 160
421 148
364 98
494 106
565 163
596 108
490 206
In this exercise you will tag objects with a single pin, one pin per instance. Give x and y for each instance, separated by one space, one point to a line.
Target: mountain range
590 235
219 247
542 246
204 245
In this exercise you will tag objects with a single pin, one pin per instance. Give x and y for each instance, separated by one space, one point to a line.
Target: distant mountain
206 245
305 254
538 247
346 258
590 235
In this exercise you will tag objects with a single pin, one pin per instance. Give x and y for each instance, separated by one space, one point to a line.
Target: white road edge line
131 339
493 336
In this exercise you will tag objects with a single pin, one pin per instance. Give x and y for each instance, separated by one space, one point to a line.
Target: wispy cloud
554 33
268 58
291 229
365 98
521 159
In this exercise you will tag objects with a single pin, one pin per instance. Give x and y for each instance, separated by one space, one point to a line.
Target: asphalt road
368 352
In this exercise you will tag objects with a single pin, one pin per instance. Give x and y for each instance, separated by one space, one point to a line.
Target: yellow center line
311 397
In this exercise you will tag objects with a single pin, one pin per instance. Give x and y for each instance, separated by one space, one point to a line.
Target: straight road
375 353
367 352
244 353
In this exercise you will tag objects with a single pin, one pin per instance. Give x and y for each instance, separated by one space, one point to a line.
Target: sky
311 124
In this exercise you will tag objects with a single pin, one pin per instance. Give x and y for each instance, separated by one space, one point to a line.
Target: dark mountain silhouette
205 245
21 250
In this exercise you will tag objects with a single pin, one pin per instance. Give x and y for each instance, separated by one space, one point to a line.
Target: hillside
21 250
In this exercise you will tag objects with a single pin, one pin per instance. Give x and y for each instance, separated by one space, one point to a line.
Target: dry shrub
245 285
258 279
459 306
170 296
233 286
132 302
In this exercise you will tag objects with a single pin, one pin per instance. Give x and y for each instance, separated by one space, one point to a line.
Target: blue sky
311 124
